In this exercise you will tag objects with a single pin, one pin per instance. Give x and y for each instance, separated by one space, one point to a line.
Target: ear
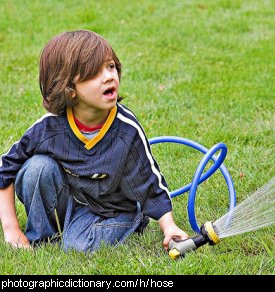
72 92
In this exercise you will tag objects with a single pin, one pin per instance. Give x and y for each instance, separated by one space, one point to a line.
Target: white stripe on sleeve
126 110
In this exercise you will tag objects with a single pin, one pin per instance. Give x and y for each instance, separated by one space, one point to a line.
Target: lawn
203 70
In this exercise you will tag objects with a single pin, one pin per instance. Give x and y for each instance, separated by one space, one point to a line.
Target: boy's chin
111 103
109 106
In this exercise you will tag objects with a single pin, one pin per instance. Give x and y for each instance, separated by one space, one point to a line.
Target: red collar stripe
85 128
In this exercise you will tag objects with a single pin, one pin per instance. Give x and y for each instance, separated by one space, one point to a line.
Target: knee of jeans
37 166
39 162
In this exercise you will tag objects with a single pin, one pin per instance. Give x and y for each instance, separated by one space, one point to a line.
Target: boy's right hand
16 238
12 232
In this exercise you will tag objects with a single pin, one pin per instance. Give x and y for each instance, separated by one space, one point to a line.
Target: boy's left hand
173 231
170 229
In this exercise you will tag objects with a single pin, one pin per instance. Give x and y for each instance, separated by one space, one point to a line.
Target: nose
107 76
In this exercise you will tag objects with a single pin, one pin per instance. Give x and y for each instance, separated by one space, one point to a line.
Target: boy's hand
12 232
16 238
170 229
174 232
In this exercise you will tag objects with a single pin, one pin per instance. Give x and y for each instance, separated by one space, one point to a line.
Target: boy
86 166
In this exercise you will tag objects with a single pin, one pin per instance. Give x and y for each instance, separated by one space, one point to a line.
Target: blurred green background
203 70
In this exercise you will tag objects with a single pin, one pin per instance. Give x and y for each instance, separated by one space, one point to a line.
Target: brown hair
80 52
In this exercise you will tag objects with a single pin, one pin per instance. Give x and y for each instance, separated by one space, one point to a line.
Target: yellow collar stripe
103 130
74 127
91 143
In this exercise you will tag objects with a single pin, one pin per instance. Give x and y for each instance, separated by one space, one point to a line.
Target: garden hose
199 177
207 232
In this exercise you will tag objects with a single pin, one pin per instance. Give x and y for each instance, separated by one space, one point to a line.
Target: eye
112 66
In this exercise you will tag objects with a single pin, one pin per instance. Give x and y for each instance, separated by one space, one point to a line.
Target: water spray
256 212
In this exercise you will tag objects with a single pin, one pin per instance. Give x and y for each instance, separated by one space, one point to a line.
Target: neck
91 118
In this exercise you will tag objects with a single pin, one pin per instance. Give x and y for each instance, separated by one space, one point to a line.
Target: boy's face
101 91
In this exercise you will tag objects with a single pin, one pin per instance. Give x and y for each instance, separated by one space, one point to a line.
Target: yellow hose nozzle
180 248
174 254
211 232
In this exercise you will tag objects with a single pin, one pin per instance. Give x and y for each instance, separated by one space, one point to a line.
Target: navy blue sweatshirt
110 173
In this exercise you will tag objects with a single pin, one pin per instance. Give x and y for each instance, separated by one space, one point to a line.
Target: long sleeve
12 161
20 151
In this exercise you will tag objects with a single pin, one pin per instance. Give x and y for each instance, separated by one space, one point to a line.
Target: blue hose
198 177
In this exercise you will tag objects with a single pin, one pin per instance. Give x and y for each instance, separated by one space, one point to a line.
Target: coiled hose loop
199 177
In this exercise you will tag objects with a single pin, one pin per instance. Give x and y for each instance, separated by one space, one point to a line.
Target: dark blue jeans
42 187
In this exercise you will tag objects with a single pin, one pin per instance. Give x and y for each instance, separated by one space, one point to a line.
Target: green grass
203 70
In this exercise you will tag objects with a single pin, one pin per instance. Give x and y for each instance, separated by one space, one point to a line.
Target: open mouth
109 91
